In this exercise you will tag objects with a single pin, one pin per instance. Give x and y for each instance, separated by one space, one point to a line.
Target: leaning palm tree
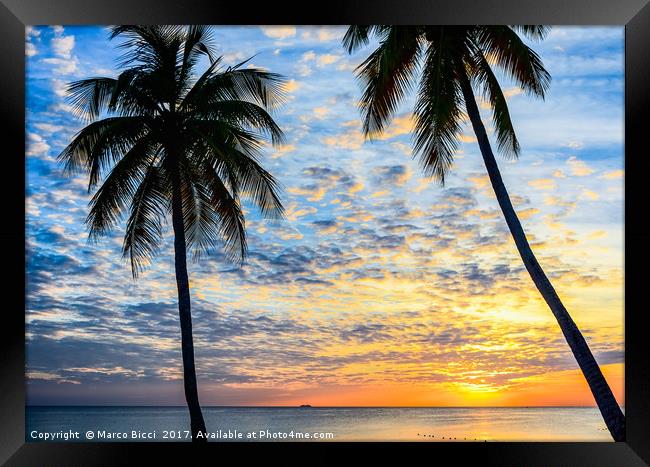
455 60
168 142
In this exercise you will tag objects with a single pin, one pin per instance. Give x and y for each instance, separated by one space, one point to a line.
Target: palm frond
162 131
438 110
200 218
150 47
144 226
156 53
135 94
482 75
243 172
188 100
358 36
90 97
387 75
515 58
231 222
250 84
242 115
243 139
119 188
197 41
126 96
532 31
101 144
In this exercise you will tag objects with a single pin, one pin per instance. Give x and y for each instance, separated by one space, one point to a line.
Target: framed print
374 227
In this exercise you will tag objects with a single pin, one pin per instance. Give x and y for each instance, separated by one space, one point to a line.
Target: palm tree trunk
611 412
187 344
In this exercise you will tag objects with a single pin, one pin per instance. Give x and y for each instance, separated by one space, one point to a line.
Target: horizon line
331 406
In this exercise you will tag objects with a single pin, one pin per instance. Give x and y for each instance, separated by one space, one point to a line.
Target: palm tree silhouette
454 60
167 142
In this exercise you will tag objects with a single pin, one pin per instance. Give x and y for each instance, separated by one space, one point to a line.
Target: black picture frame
633 14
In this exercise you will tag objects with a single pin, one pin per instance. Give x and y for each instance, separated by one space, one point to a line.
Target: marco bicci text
172 434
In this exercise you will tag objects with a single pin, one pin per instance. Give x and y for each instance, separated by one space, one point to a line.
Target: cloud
310 57
596 234
62 66
613 174
480 181
291 235
327 59
294 211
326 226
311 192
588 194
234 57
48 128
30 49
321 112
62 46
574 145
351 139
282 150
31 31
36 145
59 87
527 213
400 125
323 33
61 107
511 92
578 167
64 61
543 184
392 175
291 86
278 32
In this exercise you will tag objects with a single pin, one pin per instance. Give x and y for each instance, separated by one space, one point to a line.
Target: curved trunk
611 412
184 310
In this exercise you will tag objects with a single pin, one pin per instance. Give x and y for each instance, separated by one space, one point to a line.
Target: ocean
161 424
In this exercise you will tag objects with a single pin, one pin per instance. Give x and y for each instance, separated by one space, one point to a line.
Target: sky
381 287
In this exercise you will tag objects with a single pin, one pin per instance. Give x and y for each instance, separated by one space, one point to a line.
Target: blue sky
378 277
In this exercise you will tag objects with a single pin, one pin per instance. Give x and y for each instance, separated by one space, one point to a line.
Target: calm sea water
344 424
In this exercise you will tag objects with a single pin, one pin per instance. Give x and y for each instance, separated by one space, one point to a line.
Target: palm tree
167 142
454 60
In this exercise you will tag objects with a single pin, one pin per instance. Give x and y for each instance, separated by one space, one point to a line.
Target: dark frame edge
12 233
637 235
552 12
12 399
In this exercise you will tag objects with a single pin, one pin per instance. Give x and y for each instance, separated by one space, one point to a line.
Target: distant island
305 406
